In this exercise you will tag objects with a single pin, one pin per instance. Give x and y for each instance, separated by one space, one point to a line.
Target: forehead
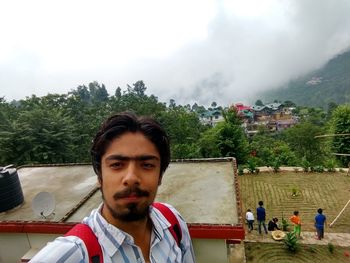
132 144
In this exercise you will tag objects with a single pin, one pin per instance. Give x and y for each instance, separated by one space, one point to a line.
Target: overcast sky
192 51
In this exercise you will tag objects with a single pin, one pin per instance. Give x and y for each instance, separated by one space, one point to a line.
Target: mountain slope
331 83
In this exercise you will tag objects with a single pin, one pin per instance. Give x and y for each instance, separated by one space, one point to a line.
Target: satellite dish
43 204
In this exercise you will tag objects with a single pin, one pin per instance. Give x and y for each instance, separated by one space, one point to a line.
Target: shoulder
62 249
178 216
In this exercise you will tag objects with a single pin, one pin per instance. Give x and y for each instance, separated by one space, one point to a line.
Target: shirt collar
112 237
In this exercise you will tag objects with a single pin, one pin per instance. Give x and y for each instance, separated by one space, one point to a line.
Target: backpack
85 233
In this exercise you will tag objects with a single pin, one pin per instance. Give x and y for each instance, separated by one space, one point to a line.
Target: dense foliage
59 128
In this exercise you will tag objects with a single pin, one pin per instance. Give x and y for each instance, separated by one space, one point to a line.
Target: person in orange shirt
297 223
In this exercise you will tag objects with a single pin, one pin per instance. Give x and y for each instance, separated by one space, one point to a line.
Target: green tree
301 139
37 136
340 124
226 139
259 103
184 130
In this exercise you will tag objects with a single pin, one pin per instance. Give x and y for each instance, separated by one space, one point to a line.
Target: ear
99 181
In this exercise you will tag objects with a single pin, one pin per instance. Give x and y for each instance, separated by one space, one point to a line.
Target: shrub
294 191
276 165
291 242
330 248
284 224
251 165
305 164
319 169
330 165
240 170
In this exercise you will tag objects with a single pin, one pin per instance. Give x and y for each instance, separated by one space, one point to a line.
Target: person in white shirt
129 155
250 220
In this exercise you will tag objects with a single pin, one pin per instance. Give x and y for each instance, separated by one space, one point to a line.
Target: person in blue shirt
320 220
261 216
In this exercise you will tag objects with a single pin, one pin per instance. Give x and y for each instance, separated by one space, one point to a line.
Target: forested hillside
331 83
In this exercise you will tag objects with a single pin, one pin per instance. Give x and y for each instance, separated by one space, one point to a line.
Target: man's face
130 171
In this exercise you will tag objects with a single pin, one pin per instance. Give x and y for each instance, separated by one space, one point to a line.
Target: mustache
130 191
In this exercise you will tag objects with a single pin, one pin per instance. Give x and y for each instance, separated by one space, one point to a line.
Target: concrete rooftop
202 190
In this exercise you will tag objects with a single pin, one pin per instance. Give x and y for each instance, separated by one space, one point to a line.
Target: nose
131 176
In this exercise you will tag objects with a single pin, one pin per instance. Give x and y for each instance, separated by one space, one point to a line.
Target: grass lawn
267 252
330 191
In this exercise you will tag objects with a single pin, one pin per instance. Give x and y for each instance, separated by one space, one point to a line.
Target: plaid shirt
118 246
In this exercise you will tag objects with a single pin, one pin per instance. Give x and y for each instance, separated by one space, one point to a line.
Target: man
129 155
261 216
250 220
320 221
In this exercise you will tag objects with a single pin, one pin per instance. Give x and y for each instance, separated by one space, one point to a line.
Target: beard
132 211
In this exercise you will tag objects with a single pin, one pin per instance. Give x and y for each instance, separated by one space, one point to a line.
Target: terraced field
330 191
266 252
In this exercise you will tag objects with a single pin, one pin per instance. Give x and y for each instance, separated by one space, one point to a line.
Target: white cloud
188 50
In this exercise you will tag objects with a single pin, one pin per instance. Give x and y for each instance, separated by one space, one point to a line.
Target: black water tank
11 194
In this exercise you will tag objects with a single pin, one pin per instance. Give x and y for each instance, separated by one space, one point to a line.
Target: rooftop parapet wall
205 191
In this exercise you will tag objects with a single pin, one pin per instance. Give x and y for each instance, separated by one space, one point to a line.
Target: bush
330 248
251 165
284 224
291 242
295 191
319 169
305 164
240 170
276 165
330 165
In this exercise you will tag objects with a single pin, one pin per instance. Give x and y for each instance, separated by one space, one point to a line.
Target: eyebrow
129 158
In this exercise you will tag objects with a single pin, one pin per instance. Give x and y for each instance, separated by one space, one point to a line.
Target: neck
137 229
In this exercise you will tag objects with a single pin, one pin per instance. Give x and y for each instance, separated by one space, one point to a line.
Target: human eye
116 165
148 165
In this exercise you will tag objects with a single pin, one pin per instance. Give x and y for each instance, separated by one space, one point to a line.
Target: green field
267 252
330 191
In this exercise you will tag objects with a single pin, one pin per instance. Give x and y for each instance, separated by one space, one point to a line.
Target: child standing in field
320 220
250 220
261 216
297 223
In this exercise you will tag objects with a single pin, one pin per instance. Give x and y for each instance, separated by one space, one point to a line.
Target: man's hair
320 210
249 210
121 123
261 203
296 212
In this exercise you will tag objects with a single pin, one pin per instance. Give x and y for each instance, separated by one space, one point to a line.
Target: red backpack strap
175 228
85 233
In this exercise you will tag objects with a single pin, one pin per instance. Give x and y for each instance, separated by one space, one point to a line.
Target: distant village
274 117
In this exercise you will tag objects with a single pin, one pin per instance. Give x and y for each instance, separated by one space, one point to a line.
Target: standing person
320 220
129 155
297 223
261 216
272 225
250 220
